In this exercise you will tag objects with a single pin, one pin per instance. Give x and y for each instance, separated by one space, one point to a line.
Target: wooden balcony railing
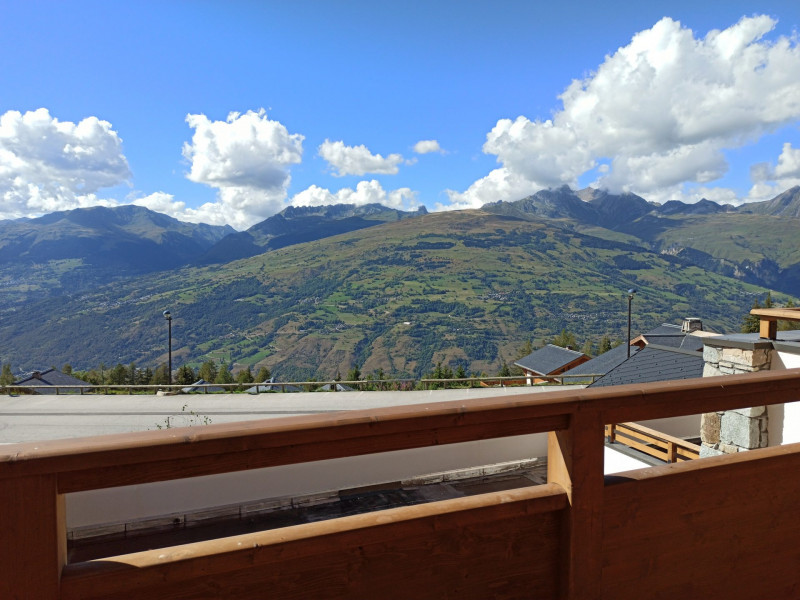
654 443
717 527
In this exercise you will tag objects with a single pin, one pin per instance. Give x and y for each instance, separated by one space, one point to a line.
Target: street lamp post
168 317
631 292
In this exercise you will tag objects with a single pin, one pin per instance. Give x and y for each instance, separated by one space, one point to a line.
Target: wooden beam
575 462
719 527
33 538
768 329
495 545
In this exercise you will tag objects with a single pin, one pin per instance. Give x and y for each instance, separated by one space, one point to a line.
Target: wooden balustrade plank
658 435
658 453
426 551
362 432
575 462
643 402
632 434
33 538
128 471
730 530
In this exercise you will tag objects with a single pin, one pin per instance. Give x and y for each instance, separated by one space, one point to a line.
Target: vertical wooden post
575 462
768 329
34 537
672 452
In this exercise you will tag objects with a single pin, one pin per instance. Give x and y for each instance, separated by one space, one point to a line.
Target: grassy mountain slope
756 242
464 287
71 250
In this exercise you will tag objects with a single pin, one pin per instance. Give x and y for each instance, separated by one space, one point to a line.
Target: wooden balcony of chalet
722 527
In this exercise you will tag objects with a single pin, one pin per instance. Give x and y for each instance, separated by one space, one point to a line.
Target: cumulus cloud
659 111
366 192
357 160
499 184
48 165
247 159
769 180
427 147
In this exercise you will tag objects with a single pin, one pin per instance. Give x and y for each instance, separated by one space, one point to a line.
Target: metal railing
308 386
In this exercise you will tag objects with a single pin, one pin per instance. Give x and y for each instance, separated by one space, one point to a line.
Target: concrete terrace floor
34 418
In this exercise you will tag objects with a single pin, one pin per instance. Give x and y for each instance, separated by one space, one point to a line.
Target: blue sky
226 112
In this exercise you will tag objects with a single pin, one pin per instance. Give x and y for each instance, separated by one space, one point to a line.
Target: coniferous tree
565 339
263 374
354 374
605 345
6 376
751 323
245 375
118 375
185 375
208 371
160 375
223 375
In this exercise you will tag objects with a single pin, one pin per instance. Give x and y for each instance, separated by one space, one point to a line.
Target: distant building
600 365
665 353
203 387
270 385
540 365
51 382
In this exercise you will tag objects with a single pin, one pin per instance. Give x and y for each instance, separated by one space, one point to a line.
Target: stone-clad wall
733 431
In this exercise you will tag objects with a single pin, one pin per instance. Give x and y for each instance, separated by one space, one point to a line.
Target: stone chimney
36 375
691 324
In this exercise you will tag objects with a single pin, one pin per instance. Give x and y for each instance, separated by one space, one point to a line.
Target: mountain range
313 291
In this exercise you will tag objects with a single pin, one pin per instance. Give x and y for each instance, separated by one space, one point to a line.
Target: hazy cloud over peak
366 192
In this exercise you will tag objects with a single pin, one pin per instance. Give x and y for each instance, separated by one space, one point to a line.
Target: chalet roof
603 363
655 363
196 387
548 359
41 380
270 385
339 388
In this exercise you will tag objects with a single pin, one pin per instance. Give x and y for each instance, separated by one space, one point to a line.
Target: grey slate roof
50 379
339 388
655 363
668 334
195 387
603 363
548 359
270 385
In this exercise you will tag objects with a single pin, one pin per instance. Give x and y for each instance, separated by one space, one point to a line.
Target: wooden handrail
35 476
769 317
654 443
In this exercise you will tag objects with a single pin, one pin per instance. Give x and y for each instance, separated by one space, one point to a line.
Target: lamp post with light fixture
631 292
168 317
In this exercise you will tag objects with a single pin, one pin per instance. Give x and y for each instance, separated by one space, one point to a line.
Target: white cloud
660 110
246 158
427 146
48 165
769 181
499 184
357 160
366 192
